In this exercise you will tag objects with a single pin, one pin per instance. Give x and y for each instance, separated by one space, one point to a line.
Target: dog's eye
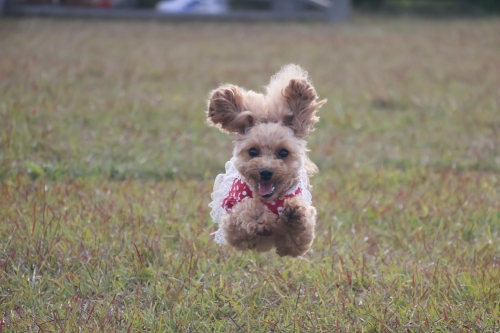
283 153
253 152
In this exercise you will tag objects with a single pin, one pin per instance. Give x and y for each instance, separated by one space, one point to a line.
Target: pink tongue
265 189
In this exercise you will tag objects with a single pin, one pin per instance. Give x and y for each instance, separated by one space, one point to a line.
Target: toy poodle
263 199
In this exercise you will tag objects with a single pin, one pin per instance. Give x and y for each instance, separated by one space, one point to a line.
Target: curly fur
268 124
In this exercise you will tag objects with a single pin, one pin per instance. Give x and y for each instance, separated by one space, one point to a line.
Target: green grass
106 170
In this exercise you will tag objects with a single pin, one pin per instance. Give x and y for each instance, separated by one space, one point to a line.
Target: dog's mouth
267 190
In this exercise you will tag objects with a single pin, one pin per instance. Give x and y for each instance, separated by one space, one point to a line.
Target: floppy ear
303 102
225 110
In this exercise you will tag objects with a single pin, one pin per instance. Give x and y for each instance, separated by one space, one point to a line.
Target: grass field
107 168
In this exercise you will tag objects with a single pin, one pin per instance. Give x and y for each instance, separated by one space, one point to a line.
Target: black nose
266 174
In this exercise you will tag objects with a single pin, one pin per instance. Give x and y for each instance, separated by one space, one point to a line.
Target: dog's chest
240 190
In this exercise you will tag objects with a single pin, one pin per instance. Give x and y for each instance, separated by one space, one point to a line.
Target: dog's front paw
264 222
255 218
294 214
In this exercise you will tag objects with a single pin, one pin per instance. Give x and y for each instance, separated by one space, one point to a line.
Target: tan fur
247 224
295 232
301 98
269 123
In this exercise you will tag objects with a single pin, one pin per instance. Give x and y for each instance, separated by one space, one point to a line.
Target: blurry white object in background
214 6
177 6
192 6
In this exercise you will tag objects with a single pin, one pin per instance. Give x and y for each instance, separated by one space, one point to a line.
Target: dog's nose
266 174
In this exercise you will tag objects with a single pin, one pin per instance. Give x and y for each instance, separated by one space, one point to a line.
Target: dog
263 200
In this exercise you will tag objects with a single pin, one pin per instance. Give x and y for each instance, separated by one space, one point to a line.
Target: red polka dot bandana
240 190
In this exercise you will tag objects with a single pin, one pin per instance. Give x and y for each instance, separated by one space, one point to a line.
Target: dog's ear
303 103
225 110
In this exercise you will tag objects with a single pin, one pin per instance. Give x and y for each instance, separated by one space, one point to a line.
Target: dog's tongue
265 189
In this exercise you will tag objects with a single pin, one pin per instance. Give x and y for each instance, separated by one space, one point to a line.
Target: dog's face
269 149
269 156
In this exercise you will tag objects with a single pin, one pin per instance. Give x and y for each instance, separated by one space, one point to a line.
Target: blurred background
393 6
443 7
127 98
107 166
